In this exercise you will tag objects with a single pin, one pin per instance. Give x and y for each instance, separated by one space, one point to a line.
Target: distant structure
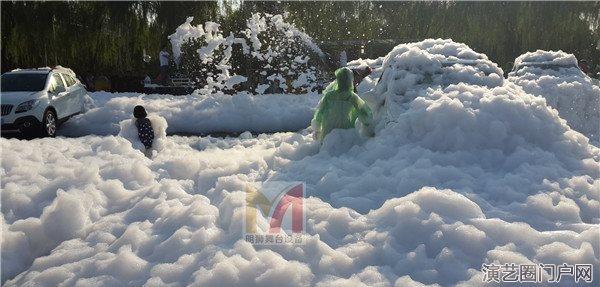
361 48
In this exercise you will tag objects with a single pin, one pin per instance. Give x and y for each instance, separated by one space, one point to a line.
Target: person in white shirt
164 57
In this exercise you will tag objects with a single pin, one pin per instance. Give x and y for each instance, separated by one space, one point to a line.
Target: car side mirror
57 92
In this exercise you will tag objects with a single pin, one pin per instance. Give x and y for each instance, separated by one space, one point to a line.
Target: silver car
36 101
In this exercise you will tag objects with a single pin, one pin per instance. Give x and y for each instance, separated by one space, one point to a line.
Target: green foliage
502 30
92 37
272 55
197 69
283 57
111 37
189 62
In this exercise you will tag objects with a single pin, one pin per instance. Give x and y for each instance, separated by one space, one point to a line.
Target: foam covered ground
462 174
197 113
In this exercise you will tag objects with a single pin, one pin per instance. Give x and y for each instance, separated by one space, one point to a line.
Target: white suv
36 101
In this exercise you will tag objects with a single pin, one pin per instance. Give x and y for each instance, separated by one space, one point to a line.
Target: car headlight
26 106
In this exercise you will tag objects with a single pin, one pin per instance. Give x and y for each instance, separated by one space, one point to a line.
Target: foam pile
556 77
197 113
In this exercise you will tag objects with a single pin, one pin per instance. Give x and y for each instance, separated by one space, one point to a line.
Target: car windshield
545 66
21 82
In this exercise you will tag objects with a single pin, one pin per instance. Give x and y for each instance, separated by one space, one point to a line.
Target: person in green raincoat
340 107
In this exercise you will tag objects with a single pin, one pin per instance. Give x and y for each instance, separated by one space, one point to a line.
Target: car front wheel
50 124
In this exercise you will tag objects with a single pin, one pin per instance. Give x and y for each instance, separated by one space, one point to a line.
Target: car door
59 97
82 93
74 94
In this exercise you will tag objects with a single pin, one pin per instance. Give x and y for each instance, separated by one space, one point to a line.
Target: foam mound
542 57
197 113
430 63
556 77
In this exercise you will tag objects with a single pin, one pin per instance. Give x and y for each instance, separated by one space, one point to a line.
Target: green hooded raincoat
340 106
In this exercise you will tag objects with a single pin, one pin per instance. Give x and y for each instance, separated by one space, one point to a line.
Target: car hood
15 98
